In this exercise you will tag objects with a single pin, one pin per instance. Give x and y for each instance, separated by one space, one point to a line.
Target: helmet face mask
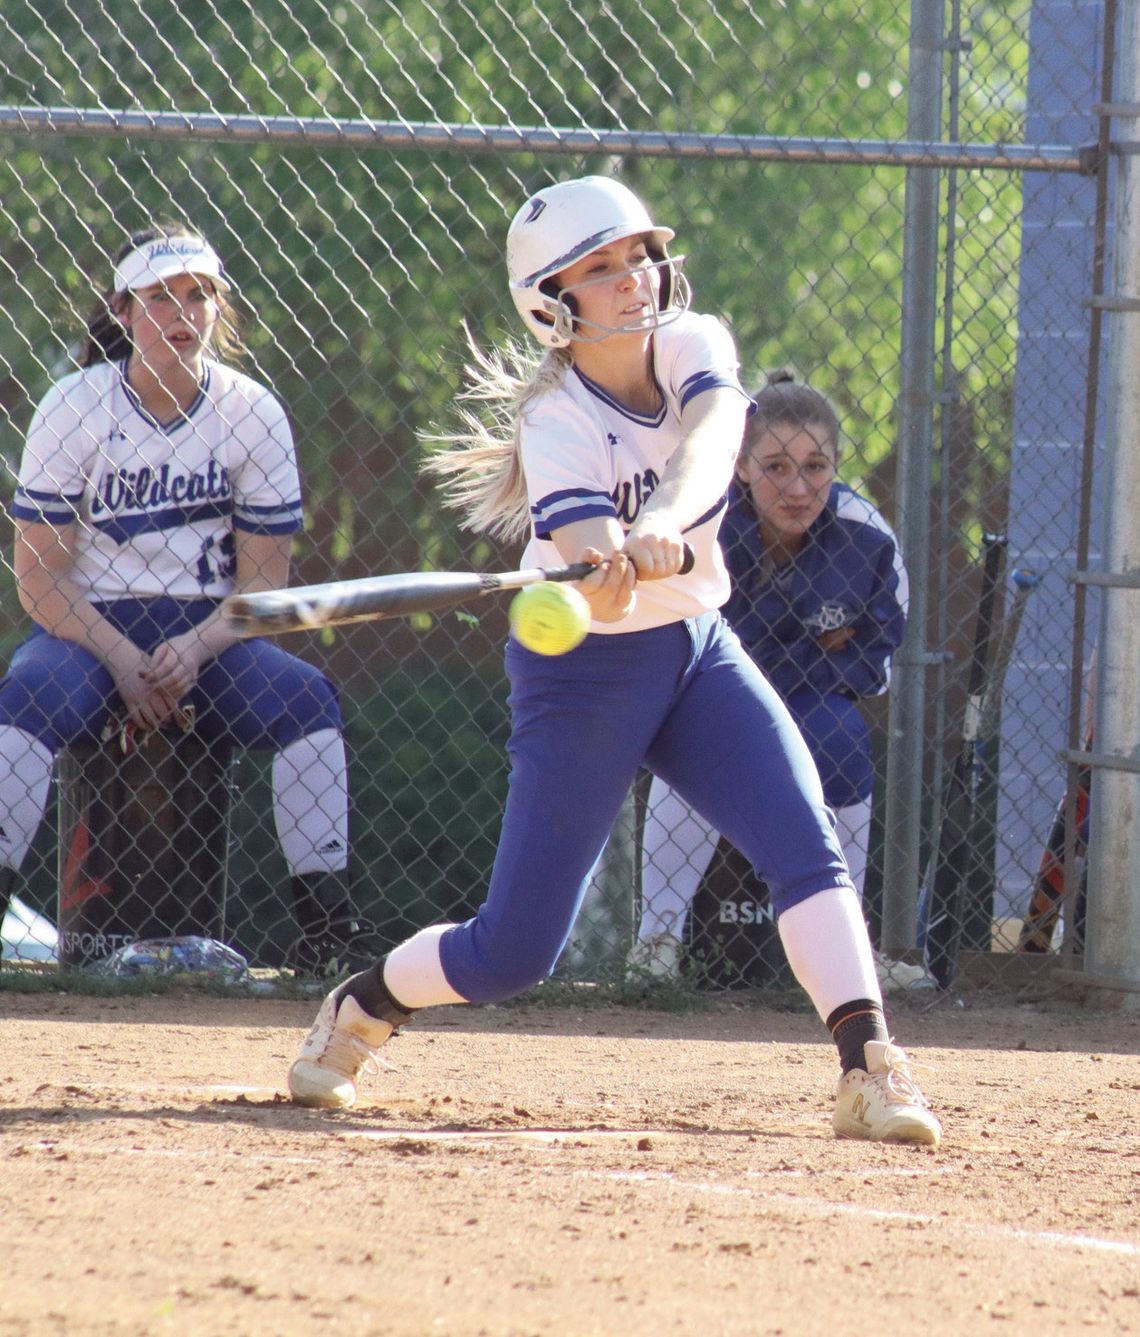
568 325
562 223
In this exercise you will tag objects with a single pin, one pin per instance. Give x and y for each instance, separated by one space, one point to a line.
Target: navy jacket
848 573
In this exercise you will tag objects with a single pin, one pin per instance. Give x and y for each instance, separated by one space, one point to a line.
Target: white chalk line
544 1137
562 1137
557 1137
211 1154
819 1207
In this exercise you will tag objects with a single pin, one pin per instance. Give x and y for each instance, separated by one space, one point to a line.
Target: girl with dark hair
819 599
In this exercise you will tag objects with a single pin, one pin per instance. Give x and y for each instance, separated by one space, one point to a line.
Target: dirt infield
527 1170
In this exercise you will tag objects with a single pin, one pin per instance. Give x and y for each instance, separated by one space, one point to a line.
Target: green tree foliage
357 265
360 264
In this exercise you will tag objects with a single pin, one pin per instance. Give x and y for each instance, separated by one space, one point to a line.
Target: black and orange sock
852 1025
373 995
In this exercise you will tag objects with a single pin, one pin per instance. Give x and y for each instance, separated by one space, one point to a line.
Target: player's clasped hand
145 706
174 666
170 674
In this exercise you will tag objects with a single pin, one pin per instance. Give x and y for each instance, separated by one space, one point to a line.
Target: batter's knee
491 971
523 975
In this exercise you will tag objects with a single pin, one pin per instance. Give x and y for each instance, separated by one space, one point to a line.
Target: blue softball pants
253 694
687 702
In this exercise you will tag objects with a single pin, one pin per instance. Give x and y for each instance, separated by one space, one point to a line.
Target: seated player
156 479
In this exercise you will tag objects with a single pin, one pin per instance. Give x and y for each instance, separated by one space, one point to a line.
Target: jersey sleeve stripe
53 508
284 523
710 514
275 508
563 508
282 518
706 380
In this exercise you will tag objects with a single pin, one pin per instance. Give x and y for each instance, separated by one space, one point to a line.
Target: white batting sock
853 827
677 847
413 972
310 803
825 939
25 779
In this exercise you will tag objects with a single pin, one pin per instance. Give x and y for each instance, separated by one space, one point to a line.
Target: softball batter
623 445
156 480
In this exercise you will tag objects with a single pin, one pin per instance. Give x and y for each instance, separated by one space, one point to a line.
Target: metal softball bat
311 607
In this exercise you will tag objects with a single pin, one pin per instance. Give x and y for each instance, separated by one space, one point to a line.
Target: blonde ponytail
479 464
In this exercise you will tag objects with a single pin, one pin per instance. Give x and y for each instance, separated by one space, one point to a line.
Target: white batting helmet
560 224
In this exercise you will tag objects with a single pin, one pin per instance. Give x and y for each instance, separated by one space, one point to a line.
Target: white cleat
884 1104
659 956
342 1044
896 976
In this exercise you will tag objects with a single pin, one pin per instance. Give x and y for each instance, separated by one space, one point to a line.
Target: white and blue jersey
154 508
156 504
585 454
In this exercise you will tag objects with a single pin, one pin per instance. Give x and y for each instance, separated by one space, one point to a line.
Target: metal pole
902 872
441 136
1112 935
947 423
1073 944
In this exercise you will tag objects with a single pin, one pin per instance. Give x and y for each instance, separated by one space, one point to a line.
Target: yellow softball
549 619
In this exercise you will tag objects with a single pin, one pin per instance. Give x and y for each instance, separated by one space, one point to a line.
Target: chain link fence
354 165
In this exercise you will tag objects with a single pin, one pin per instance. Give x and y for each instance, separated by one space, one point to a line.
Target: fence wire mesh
356 269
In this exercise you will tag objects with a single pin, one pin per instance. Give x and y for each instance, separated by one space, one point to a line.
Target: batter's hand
609 589
656 552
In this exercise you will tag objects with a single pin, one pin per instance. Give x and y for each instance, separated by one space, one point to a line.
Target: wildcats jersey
584 454
156 503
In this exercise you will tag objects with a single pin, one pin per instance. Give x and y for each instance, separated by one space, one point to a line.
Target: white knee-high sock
413 972
853 827
310 803
677 846
825 938
25 779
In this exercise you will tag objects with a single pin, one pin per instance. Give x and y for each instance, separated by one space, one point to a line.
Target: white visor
162 258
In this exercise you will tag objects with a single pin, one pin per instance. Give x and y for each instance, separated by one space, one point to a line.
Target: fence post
1112 930
906 731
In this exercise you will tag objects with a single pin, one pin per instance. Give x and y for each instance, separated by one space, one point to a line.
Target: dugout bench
143 839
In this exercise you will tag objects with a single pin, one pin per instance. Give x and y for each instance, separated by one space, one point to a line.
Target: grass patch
639 990
42 979
636 990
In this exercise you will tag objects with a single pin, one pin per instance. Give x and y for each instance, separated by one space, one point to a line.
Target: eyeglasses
782 469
